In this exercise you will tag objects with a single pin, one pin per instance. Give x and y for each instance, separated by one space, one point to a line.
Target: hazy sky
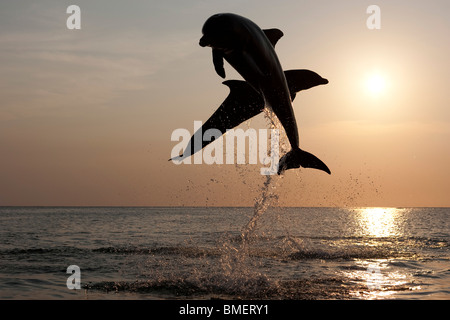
86 116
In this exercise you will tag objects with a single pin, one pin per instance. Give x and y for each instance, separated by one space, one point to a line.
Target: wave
218 286
348 254
222 287
41 251
420 241
271 253
168 250
279 248
163 250
275 247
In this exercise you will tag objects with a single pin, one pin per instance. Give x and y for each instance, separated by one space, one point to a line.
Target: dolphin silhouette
249 50
243 102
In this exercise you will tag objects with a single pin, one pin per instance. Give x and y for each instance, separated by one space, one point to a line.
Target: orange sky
86 115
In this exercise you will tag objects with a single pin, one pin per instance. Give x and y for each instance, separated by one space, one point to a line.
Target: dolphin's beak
324 81
203 42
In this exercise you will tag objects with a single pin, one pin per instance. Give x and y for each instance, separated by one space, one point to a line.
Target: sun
376 84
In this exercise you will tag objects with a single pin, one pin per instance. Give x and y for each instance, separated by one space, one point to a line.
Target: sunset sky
86 116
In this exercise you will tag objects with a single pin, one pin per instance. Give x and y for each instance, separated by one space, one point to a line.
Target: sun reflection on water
378 280
379 229
380 222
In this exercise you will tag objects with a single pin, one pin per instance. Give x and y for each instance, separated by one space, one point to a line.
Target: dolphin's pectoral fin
177 158
241 104
298 158
302 79
218 62
273 35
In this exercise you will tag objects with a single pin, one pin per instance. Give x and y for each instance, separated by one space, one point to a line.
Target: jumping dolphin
243 102
248 49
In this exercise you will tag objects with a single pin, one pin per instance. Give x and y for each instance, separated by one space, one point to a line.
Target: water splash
235 271
236 263
230 269
268 195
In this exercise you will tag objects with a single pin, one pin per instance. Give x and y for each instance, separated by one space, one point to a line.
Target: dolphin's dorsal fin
273 35
218 62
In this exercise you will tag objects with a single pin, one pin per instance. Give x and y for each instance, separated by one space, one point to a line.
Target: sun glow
376 84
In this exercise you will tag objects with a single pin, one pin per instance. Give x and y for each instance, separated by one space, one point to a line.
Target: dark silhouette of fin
243 103
297 158
218 62
273 35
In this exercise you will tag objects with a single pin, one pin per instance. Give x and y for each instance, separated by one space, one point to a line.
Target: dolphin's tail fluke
298 158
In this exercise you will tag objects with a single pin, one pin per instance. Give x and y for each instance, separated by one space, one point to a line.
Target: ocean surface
224 253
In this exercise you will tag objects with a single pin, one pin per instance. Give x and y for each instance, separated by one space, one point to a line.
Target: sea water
225 253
